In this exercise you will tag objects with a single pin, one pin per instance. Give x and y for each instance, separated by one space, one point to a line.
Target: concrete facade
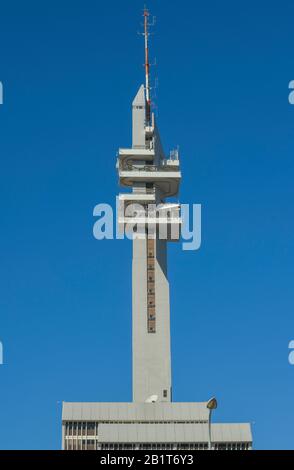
151 352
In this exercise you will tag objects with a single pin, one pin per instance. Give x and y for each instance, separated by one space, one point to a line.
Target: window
151 326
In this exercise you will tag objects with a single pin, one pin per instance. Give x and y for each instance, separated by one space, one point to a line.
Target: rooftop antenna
146 35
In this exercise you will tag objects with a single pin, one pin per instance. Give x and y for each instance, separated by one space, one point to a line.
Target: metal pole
147 68
209 430
211 405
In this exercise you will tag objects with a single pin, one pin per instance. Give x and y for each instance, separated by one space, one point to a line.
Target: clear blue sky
70 70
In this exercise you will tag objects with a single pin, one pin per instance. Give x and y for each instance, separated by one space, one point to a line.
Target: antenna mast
147 66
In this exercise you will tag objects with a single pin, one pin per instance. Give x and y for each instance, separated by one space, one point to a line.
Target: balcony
165 219
137 154
167 177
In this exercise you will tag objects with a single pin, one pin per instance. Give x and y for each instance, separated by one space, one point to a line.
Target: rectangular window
151 326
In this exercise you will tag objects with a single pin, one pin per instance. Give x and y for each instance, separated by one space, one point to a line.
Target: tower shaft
152 178
151 321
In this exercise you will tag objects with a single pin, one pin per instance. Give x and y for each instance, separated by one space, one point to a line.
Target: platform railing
149 168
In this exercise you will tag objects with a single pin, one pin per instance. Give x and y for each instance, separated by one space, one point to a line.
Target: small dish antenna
152 399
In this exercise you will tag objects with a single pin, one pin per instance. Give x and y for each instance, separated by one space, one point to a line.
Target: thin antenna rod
147 67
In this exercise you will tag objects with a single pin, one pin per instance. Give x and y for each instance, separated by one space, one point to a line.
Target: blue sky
70 71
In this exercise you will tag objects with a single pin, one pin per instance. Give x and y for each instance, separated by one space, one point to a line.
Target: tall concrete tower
152 177
151 215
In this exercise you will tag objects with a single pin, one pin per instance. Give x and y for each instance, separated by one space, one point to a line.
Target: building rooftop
160 411
172 432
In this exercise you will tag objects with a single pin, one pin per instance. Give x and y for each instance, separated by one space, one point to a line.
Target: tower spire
147 66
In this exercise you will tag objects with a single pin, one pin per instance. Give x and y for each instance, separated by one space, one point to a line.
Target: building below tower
148 426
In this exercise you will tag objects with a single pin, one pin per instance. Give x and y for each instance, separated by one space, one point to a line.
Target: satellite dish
152 399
